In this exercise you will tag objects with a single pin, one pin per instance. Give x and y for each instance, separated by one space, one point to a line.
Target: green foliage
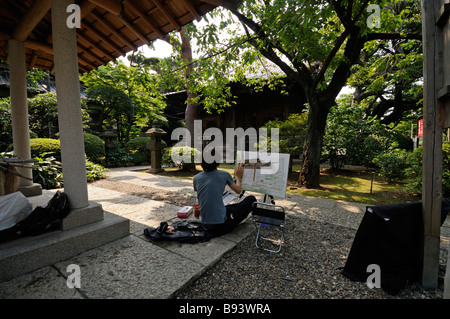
118 158
5 124
47 171
39 146
292 133
94 171
43 112
360 138
94 148
139 103
137 147
392 164
177 155
414 170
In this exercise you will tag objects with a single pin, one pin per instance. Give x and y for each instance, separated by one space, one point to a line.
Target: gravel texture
308 266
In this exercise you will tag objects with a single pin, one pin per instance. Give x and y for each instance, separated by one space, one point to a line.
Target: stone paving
135 268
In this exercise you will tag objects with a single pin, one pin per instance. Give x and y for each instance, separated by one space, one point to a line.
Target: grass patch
351 185
354 186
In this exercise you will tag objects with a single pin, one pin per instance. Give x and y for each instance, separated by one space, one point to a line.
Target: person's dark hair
211 166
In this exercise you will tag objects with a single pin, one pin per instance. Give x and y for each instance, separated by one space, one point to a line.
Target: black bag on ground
390 236
42 216
186 231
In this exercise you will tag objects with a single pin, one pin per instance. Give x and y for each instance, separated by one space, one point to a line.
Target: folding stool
268 217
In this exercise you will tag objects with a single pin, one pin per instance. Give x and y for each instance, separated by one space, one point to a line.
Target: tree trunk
192 109
312 148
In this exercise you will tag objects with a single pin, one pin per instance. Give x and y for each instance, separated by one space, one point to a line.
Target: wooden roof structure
109 28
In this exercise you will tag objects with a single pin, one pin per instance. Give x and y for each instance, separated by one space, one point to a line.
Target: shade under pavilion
39 34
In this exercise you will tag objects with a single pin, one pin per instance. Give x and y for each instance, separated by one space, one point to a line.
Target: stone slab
33 252
45 283
132 268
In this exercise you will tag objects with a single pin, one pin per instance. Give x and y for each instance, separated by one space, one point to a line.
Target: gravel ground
308 266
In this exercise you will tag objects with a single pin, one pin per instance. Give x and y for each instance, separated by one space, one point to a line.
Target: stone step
27 254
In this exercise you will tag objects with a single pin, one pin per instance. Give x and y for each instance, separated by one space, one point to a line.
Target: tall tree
315 43
138 83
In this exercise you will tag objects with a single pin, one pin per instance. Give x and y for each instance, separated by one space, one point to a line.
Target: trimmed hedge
45 145
94 148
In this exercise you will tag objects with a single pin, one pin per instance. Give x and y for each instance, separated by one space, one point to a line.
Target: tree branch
393 36
303 75
349 25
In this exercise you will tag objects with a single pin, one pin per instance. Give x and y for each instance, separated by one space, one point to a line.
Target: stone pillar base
30 190
83 216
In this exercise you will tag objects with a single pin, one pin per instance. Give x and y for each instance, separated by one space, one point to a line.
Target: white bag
14 208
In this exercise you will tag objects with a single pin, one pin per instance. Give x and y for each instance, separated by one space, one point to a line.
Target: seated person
217 218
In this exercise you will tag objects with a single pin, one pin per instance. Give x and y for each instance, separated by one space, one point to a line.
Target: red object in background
196 209
420 128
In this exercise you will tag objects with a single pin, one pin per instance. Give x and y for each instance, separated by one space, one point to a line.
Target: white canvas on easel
264 173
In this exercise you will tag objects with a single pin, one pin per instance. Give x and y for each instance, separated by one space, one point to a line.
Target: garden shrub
118 158
414 170
94 148
177 155
392 164
45 145
137 148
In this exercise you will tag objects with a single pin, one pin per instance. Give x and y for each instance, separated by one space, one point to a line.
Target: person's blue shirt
210 187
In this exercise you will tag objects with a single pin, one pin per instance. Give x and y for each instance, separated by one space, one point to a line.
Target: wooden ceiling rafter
167 14
116 33
109 28
192 10
96 47
104 38
137 10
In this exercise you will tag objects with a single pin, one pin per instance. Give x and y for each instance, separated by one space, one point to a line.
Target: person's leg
239 211
236 213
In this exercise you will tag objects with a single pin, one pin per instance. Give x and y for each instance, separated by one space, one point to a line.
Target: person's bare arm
237 186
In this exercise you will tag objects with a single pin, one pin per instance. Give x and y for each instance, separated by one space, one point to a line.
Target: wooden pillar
434 80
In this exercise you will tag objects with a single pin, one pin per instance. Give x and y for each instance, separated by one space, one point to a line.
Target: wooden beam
444 13
33 60
35 45
227 4
104 38
111 29
30 20
167 14
45 47
94 45
135 9
192 10
135 31
117 10
113 6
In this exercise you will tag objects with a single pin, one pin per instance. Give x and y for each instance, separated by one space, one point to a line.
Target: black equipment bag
390 236
186 231
42 216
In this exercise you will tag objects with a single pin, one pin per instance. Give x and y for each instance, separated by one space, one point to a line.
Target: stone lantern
109 136
155 146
